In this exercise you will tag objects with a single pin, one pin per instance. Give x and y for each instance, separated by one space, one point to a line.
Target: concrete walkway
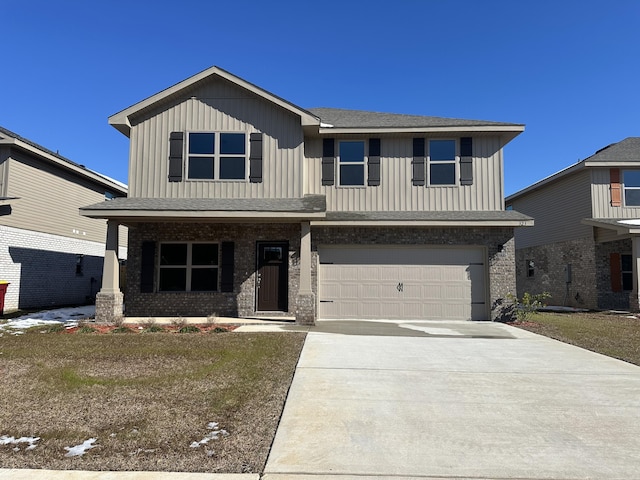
444 400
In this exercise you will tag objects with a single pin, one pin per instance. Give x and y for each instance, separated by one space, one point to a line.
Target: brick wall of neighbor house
499 242
240 302
608 299
549 272
42 269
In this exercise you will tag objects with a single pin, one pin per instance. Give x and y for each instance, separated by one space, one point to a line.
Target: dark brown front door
271 279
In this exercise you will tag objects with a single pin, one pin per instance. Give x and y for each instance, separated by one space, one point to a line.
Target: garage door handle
326 301
400 287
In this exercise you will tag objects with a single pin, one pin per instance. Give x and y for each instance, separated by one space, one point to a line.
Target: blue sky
568 70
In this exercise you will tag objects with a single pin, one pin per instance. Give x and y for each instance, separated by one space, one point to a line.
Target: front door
271 277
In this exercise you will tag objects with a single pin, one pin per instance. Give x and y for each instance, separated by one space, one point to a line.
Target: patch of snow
32 441
633 221
79 450
67 316
325 125
214 434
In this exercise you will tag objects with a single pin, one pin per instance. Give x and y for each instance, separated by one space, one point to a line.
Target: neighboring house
49 253
584 247
243 204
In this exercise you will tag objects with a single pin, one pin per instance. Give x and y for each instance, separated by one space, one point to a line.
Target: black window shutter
176 140
373 162
328 161
418 162
227 261
466 161
255 158
147 266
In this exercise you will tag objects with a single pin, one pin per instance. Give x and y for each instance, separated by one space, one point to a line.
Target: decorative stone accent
108 307
306 309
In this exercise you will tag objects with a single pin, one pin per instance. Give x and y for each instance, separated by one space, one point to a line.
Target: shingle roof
340 118
627 150
8 133
466 216
306 204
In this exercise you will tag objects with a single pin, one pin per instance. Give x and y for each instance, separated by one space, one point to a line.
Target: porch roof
500 218
307 207
622 226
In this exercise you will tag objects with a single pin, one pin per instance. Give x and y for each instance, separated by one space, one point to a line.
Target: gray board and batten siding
558 209
396 192
601 194
216 105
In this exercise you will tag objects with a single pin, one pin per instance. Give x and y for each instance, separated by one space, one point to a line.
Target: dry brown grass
145 398
610 333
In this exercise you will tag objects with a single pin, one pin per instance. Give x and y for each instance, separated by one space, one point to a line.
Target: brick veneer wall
41 269
499 243
549 272
606 298
240 302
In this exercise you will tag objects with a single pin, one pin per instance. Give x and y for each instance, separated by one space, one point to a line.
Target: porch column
306 304
109 300
634 296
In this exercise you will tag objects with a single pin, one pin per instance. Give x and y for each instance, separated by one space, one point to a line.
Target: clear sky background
567 69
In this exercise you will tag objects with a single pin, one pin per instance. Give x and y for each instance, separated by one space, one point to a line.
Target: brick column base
109 306
306 309
634 302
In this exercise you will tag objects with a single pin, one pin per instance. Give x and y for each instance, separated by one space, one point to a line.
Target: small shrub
528 304
219 330
87 329
189 329
153 329
178 322
122 329
211 319
118 321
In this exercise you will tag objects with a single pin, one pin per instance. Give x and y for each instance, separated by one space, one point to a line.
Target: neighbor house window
531 268
220 156
626 270
442 162
631 181
351 163
188 267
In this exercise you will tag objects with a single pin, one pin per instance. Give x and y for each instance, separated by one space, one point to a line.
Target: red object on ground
3 291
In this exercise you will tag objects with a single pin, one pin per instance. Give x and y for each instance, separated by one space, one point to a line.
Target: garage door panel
402 283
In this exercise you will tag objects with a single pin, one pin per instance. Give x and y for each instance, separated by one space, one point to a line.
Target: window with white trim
442 162
188 267
217 156
631 182
351 163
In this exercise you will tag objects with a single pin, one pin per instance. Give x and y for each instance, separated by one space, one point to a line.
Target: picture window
188 267
217 155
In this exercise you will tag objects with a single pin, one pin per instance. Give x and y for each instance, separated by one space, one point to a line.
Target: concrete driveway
463 400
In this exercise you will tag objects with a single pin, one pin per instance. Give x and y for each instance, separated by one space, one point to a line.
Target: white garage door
402 283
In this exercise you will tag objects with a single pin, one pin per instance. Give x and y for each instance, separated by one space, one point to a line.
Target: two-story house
49 254
243 204
584 248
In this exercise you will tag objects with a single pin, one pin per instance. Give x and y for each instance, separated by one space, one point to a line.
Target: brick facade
590 285
42 269
240 302
499 243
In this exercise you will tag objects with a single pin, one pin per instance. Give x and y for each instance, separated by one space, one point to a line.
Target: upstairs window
188 267
631 181
351 163
442 162
217 156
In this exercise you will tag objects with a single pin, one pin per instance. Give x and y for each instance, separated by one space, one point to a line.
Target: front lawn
613 334
202 402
